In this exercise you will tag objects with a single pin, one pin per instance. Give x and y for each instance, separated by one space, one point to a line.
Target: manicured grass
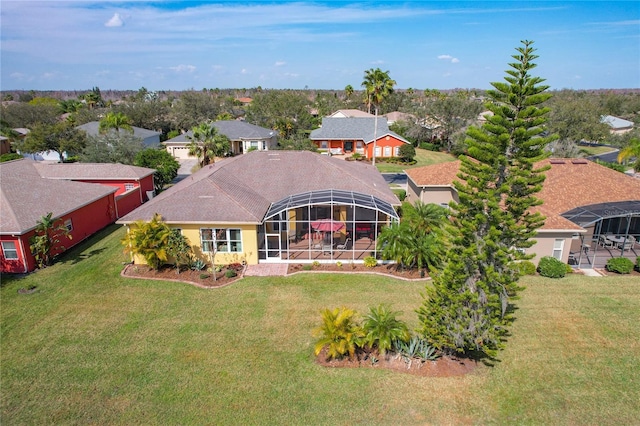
596 150
423 158
93 347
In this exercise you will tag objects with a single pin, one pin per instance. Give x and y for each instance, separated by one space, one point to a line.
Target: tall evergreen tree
466 309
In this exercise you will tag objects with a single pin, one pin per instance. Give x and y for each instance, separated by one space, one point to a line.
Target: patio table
618 241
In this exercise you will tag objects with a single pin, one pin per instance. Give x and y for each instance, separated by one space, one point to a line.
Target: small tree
46 242
166 167
149 240
339 331
407 153
179 250
61 137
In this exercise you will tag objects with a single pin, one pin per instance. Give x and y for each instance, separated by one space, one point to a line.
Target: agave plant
340 332
382 328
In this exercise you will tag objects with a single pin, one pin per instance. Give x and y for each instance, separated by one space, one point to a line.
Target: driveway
185 168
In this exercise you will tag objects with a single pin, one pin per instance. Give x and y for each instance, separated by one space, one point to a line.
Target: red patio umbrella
327 225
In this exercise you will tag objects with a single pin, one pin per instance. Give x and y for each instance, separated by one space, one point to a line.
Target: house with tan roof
277 207
150 138
356 135
592 212
244 137
350 113
84 197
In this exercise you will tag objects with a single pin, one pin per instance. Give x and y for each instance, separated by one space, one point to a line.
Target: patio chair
343 246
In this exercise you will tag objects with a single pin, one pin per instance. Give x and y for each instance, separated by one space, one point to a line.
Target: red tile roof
569 183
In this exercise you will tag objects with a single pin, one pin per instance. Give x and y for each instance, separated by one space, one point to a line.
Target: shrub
230 273
526 268
197 265
568 269
428 146
407 152
339 264
315 263
620 265
382 328
340 332
307 267
204 276
551 267
638 263
401 194
370 262
9 156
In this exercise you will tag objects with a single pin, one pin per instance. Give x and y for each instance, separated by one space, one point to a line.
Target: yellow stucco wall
249 243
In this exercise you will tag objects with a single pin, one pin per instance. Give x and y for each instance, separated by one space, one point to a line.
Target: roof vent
579 161
556 161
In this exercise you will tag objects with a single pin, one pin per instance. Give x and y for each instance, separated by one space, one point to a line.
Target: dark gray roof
235 130
241 189
355 128
26 196
92 129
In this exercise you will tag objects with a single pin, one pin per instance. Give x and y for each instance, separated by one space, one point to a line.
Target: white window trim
558 250
68 224
14 249
227 240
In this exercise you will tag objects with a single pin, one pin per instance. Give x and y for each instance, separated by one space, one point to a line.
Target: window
324 144
129 186
226 240
387 151
396 151
69 225
9 249
378 151
558 245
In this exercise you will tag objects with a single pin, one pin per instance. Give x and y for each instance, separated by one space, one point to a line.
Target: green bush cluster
620 265
551 267
401 194
429 146
370 262
230 273
638 263
526 267
380 332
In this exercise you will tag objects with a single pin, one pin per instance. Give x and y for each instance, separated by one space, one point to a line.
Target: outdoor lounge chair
343 246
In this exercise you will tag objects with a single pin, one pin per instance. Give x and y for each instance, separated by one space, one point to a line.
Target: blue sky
76 45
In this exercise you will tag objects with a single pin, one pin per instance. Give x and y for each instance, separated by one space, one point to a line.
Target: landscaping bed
391 270
203 279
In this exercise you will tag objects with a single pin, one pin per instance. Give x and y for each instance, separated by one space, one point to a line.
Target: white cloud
244 71
280 63
183 68
291 74
449 58
115 21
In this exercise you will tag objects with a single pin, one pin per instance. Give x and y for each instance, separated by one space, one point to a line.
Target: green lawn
596 150
91 347
423 158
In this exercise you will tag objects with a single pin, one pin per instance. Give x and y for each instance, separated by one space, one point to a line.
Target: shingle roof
93 171
570 183
241 189
359 128
93 128
233 129
26 196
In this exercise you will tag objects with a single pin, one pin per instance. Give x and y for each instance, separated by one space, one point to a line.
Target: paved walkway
590 272
266 270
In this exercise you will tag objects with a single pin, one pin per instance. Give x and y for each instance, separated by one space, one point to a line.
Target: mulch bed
204 279
390 270
442 367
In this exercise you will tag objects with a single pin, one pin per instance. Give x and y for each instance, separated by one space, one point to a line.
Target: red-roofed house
85 197
592 212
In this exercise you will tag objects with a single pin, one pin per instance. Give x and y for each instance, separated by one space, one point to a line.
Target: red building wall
85 222
146 184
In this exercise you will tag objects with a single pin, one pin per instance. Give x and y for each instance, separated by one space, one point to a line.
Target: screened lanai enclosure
325 226
613 230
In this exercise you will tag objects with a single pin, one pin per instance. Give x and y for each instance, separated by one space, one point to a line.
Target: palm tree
382 328
378 86
207 144
348 90
45 243
631 151
115 121
150 240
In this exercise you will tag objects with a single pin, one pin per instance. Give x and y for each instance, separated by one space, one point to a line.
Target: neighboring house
617 125
244 137
583 202
278 206
5 145
85 197
394 116
348 135
150 138
350 113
